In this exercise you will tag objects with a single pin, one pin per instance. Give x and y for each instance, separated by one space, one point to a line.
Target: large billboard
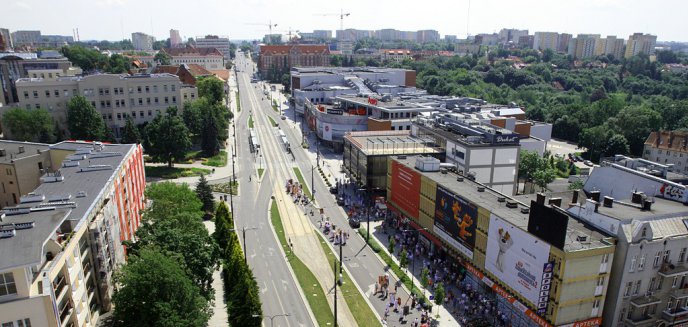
455 220
406 188
517 258
548 224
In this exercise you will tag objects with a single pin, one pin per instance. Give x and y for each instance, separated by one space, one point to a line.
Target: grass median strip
272 121
238 101
403 276
362 312
260 172
297 171
250 121
309 284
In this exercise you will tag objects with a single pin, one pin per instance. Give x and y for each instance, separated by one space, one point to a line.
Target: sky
249 19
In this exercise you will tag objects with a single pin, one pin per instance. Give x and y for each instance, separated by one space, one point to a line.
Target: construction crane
288 32
270 25
341 15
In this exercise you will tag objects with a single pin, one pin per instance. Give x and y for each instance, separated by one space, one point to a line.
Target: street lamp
336 282
272 317
313 182
243 234
413 262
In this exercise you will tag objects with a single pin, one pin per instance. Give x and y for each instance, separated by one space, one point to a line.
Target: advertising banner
406 188
517 258
327 131
455 220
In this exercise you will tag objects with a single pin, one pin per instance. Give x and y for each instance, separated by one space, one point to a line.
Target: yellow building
543 267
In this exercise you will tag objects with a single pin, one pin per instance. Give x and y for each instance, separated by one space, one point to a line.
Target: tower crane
341 15
270 25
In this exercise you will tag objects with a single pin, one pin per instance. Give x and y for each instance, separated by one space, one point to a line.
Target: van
449 166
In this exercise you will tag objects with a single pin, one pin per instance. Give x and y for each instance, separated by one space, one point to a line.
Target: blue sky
115 19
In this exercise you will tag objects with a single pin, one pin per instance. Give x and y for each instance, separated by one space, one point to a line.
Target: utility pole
335 292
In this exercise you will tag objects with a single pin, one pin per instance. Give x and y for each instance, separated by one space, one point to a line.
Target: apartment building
584 46
512 35
62 242
209 58
26 38
647 214
545 40
284 57
221 43
640 43
424 36
555 270
115 97
668 148
16 65
142 41
175 39
5 40
613 46
563 43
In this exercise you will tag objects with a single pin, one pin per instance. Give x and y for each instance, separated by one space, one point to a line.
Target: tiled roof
222 74
198 70
668 140
192 51
300 48
170 69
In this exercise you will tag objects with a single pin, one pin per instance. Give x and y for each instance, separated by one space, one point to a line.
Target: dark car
333 190
354 223
340 201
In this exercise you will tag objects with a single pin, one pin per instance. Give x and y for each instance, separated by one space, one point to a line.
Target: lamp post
313 182
272 317
413 262
243 234
336 282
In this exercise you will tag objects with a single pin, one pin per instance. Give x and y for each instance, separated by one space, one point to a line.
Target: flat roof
488 200
460 138
81 187
391 143
12 151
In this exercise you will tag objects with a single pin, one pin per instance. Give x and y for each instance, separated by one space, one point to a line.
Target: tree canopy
32 125
131 133
168 136
211 88
93 60
83 121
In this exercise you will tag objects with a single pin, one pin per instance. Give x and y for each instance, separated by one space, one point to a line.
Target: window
133 114
641 264
131 102
119 116
632 268
682 255
656 263
652 284
57 93
164 87
665 258
155 88
150 113
138 88
174 99
174 88
40 166
636 290
148 101
26 94
147 89
644 232
35 94
595 304
627 290
141 113
659 284
600 281
7 285
156 100
674 282
140 101
167 100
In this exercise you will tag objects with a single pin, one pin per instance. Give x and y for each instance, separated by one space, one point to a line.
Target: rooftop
85 174
83 77
14 150
391 143
488 200
668 140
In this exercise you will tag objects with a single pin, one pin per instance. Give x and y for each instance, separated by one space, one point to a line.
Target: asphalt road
279 291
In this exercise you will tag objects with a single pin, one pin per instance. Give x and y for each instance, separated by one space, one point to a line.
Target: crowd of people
295 189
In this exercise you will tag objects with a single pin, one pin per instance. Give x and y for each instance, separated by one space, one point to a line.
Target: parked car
579 158
587 163
354 223
283 117
340 201
333 190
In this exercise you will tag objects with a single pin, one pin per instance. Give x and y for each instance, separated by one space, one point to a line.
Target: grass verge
174 172
360 309
226 187
250 121
272 121
238 101
274 105
306 190
403 276
309 284
218 160
260 172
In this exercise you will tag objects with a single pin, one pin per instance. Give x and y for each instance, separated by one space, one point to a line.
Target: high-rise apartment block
563 43
640 43
175 39
546 40
584 45
214 41
72 205
512 35
424 36
5 40
142 41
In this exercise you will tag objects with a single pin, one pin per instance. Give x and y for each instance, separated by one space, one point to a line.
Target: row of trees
241 289
93 60
167 280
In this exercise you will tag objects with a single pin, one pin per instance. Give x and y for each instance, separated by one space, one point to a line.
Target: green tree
210 136
530 163
403 259
131 133
425 277
617 144
170 297
169 198
576 185
439 296
543 177
33 125
390 246
193 119
168 136
636 123
223 229
83 121
245 307
162 58
211 88
205 194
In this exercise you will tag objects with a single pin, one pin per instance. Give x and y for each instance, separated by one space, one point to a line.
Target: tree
83 121
29 124
170 297
390 247
162 58
425 277
192 116
543 177
211 88
223 226
168 199
403 259
617 144
168 136
210 139
131 133
245 300
205 194
576 185
439 296
530 162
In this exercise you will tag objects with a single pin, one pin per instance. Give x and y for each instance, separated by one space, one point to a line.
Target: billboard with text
455 220
406 188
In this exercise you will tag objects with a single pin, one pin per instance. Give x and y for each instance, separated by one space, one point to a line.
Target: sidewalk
219 317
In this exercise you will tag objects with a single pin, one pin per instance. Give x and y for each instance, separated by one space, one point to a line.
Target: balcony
680 293
66 313
675 316
60 288
670 270
645 300
640 320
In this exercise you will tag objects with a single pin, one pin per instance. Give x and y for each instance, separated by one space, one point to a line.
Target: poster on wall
517 258
455 220
406 188
327 131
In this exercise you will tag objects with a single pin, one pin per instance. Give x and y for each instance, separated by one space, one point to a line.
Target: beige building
584 46
115 97
60 244
546 40
640 43
614 46
21 166
210 58
142 41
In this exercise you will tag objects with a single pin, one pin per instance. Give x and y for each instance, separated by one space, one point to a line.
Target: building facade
669 148
115 97
553 277
26 38
640 43
175 39
545 40
209 58
5 40
14 66
142 41
284 57
61 243
214 41
584 46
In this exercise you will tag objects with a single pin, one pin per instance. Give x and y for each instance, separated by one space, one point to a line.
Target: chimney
597 205
608 201
658 139
555 202
540 198
21 149
637 197
647 205
574 199
595 195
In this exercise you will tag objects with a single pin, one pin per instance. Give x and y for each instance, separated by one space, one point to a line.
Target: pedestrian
415 322
386 314
413 301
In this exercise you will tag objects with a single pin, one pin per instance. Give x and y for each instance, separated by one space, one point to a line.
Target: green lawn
362 312
274 105
297 171
377 248
238 101
219 160
250 121
174 172
272 121
260 172
309 284
226 187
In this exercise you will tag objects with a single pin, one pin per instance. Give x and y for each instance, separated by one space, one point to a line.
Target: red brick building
284 57
188 73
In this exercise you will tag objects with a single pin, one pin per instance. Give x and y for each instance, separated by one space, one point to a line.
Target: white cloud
22 5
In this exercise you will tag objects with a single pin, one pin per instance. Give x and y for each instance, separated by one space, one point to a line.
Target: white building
668 148
214 41
142 41
210 58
